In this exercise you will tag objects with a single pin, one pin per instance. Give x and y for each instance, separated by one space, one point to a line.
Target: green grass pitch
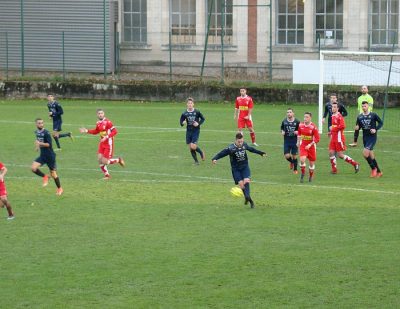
163 233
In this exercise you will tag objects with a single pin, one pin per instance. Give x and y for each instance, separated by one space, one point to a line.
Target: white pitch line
204 179
162 129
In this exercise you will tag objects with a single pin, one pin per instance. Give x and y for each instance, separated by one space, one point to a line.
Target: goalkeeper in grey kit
240 164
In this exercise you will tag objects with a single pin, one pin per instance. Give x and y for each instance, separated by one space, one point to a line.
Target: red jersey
104 128
243 104
3 190
308 133
337 129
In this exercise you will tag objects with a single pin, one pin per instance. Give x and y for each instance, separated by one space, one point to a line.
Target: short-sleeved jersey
191 117
243 104
365 97
337 128
308 133
105 128
369 121
1 167
237 155
290 128
55 109
2 183
328 111
44 136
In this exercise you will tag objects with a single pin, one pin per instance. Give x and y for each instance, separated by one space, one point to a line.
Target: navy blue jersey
237 155
289 127
45 137
368 122
55 109
190 118
328 112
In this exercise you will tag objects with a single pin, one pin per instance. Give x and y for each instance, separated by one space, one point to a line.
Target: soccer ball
236 192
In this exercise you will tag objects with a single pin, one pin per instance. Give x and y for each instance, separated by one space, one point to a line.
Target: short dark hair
190 99
308 113
364 102
336 103
38 118
290 109
333 94
99 109
239 135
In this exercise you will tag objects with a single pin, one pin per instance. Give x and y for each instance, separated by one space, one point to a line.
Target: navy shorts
369 141
240 174
290 147
192 136
57 125
50 161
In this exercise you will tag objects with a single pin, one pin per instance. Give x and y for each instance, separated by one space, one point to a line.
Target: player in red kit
337 144
243 110
3 192
307 138
107 131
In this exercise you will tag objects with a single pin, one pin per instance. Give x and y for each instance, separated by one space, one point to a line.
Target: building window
135 21
384 22
290 22
219 6
183 25
329 21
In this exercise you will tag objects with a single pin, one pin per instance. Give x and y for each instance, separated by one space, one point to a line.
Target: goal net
356 69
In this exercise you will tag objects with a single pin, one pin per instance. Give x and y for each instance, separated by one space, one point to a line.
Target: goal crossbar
328 53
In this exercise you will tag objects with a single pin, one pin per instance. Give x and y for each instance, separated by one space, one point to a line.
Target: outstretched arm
254 150
219 155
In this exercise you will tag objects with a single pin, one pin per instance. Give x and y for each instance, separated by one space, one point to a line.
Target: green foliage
163 233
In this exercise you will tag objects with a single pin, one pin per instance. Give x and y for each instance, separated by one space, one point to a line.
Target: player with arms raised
107 131
240 164
370 123
243 111
289 128
337 144
307 138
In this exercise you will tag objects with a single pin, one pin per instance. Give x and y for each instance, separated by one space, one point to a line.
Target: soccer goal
357 69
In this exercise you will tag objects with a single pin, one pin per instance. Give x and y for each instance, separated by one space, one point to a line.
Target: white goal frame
321 75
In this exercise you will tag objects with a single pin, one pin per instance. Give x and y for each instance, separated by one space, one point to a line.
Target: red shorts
243 123
3 190
311 153
337 146
106 150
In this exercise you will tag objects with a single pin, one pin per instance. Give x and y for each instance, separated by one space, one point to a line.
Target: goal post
356 69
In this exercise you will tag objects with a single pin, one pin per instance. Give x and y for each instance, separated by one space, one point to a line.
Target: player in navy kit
240 164
370 123
328 110
289 128
55 112
47 156
193 119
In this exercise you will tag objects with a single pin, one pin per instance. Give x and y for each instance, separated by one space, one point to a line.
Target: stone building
299 29
247 39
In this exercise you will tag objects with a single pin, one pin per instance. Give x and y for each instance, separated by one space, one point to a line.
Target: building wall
248 56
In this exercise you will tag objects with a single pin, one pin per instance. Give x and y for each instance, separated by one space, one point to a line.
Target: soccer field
164 233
